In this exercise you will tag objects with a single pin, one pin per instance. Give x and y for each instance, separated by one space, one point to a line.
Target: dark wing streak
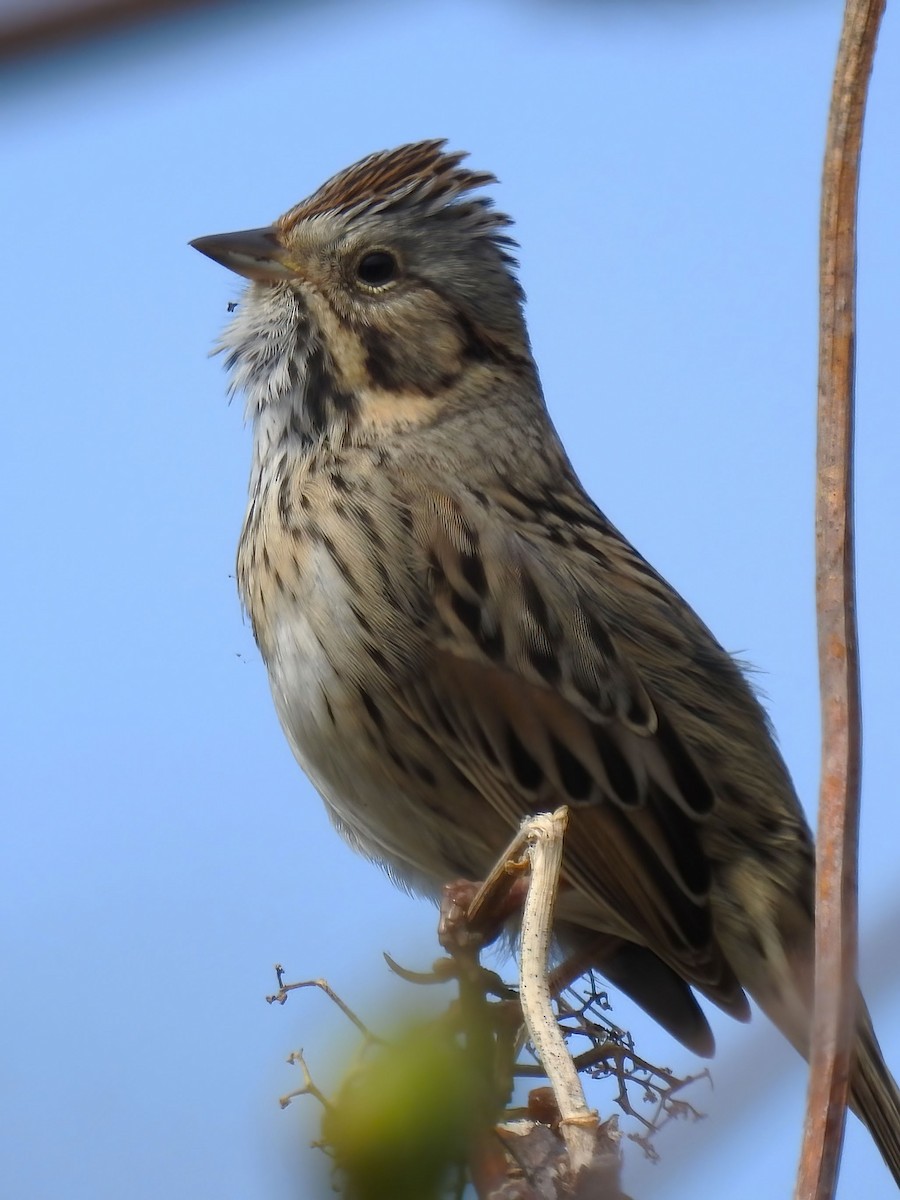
451 731
616 865
588 734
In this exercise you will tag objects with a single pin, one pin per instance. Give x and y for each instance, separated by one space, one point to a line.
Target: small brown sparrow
456 636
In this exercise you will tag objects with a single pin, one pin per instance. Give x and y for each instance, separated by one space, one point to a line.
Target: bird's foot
473 914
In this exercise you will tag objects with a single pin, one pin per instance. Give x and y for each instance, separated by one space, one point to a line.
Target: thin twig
308 1087
323 985
835 972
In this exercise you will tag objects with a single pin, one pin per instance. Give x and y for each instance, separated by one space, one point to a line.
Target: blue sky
161 849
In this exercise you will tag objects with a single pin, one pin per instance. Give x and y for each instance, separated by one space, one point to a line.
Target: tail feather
875 1097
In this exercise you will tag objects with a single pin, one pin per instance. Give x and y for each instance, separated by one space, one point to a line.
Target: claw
442 970
445 970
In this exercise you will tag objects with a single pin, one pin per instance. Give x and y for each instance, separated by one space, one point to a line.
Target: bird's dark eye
377 268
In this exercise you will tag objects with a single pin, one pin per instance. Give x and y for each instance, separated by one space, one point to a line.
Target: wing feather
532 695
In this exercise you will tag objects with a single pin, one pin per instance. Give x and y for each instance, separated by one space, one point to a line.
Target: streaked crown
420 175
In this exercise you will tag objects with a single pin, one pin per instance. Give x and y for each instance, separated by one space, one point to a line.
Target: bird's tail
874 1095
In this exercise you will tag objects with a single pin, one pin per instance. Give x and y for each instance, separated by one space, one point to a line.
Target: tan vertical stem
835 976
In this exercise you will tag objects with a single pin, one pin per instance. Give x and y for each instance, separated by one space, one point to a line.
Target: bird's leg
474 913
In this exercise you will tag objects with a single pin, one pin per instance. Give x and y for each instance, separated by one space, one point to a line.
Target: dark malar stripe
394 367
318 384
324 404
380 362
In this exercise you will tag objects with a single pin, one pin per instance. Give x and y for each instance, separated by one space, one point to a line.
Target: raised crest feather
420 174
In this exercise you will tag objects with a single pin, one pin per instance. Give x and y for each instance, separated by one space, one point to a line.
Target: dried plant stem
835 973
578 1123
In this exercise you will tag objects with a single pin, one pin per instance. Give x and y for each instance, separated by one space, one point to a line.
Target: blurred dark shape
28 30
38 27
679 7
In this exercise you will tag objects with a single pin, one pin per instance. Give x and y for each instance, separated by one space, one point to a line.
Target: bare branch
835 976
308 1088
280 997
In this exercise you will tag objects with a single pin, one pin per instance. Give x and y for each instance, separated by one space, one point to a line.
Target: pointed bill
254 253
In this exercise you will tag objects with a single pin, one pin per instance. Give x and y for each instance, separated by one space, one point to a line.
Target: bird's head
374 300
